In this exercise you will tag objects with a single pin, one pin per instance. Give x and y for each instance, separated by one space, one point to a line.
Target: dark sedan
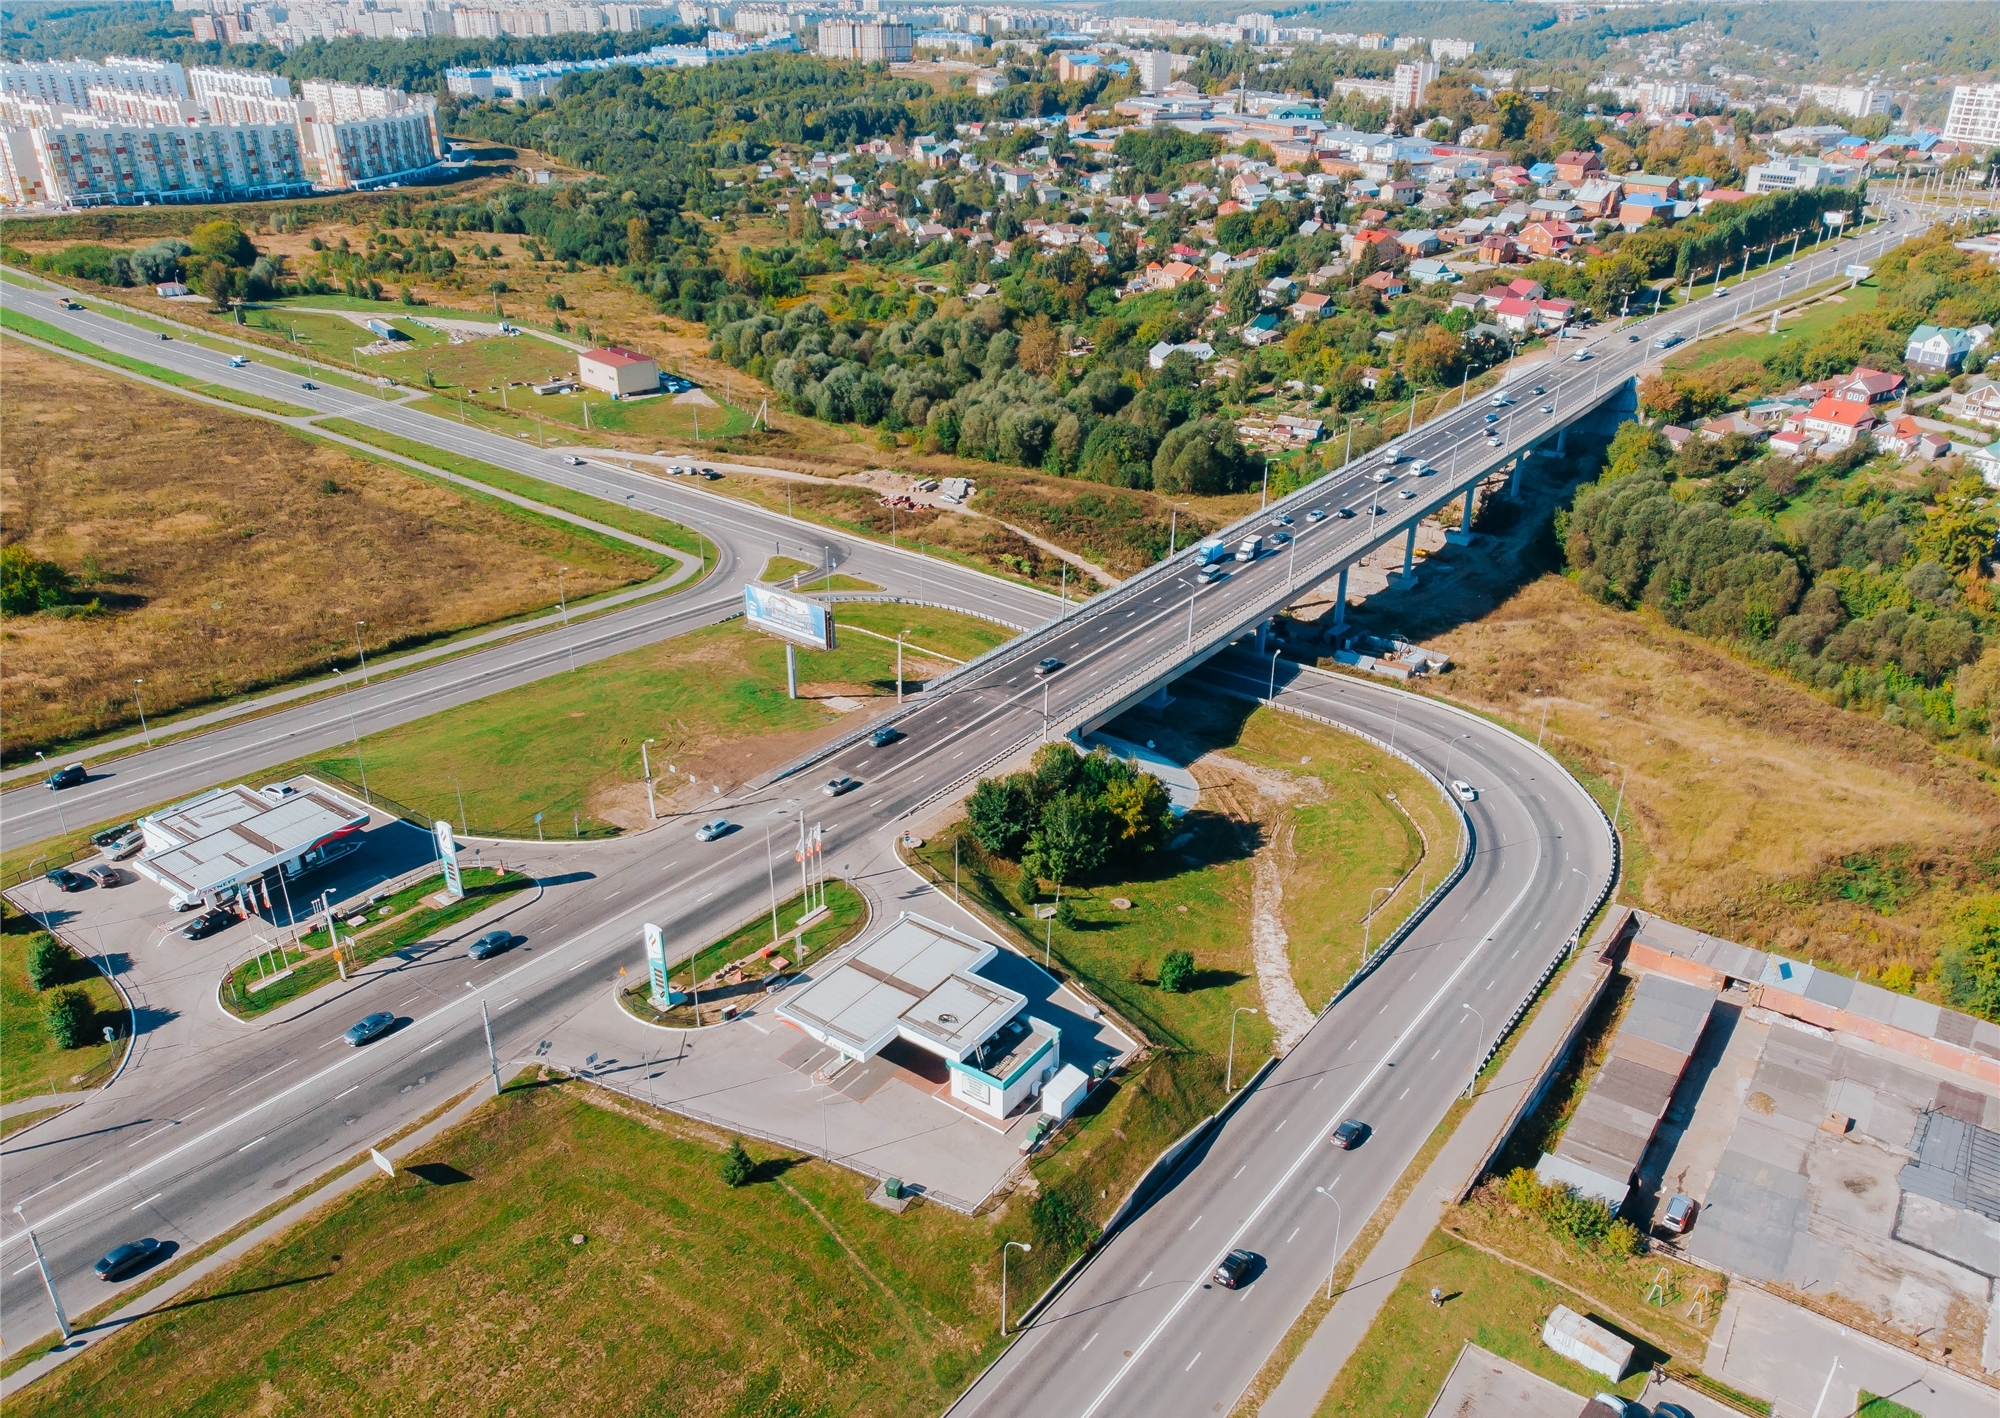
373 1027
67 776
207 924
492 943
1349 1135
123 1260
1235 1268
63 879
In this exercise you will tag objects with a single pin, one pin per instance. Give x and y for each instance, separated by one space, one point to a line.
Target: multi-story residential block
354 136
869 41
67 82
1845 99
1975 115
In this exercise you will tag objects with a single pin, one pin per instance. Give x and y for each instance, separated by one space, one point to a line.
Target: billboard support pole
791 671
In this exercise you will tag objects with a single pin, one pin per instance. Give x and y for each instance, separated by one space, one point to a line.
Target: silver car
711 830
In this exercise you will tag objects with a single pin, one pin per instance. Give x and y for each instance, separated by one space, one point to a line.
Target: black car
362 1030
1048 667
1235 1268
492 943
63 879
207 924
67 776
1349 1135
121 1261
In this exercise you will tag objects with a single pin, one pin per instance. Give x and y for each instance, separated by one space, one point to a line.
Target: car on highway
65 880
834 787
1407 493
711 829
1392 455
1385 476
1668 340
105 875
1347 511
572 460
1493 418
238 361
1548 408
1631 339
1464 791
207 924
1678 1218
1250 548
164 337
1318 514
1537 389
1284 519
1235 1268
1378 510
1208 575
490 944
307 384
68 304
887 734
1278 539
1425 470
1349 1135
1721 291
372 1026
1046 667
67 776
1581 356
121 1261
1502 400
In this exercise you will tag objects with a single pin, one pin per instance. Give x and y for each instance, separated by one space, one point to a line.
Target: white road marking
338 1096
149 1201
1090 1341
431 1045
1192 1362
1280 1127
1295 1231
515 1000
1196 1222
1404 1094
252 1143
1240 1171
154 1133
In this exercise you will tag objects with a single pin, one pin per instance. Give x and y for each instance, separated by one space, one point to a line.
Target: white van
1249 549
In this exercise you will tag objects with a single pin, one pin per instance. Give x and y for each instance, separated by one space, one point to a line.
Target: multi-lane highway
244 1115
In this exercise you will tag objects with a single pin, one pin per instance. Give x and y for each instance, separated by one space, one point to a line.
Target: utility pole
491 1057
62 1319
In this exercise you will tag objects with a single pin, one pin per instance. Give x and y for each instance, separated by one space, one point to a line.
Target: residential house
1598 199
1152 204
1577 168
1261 331
1979 404
1387 284
1356 241
1524 288
1498 249
1792 443
1554 314
1986 462
1201 350
1551 238
1718 194
1430 271
1309 307
1636 209
1560 209
1658 184
1478 201
1277 291
1724 425
1836 423
1868 386
1516 314
1907 439
1934 348
1676 436
1421 242
1402 191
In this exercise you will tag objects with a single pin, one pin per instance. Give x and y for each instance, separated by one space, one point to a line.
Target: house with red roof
1868 386
1550 238
1835 423
1907 439
1387 283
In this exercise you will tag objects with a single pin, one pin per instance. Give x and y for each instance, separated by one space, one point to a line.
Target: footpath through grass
568 746
597 509
550 1256
395 926
33 1062
14 320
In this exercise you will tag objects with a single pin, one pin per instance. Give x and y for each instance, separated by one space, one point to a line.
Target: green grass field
1760 345
551 1256
33 1062
14 320
568 746
846 914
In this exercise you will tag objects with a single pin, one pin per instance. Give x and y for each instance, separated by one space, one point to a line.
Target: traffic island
287 970
721 980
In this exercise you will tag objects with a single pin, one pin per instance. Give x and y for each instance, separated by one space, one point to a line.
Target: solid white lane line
154 1133
1090 1341
149 1201
343 1093
1196 1222
1240 1171
1295 1231
1192 1362
252 1143
431 1045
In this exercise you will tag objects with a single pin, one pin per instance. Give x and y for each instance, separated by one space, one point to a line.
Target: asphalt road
185 1152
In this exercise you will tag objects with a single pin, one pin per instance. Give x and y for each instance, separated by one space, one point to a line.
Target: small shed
1584 1341
1064 1093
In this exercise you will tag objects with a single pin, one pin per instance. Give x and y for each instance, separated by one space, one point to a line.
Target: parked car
207 924
372 1027
1235 1268
1465 791
1678 1218
711 829
111 836
121 1261
887 734
1349 1135
1046 667
65 880
834 787
105 875
492 943
67 776
1619 1407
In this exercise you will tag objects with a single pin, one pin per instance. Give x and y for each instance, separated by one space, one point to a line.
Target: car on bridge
1581 356
1349 1135
1347 511
373 1026
1250 548
1284 519
121 1261
1392 455
711 829
887 734
1668 340
1236 1268
490 944
1318 514
1278 539
834 787
1208 575
1046 667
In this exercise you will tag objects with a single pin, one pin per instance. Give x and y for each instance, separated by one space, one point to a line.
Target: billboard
448 854
789 617
656 966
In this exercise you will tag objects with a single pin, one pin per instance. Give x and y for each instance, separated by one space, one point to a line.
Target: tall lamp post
355 730
360 649
1229 1072
60 819
1368 921
1334 1259
1003 1281
142 711
62 1320
1448 752
1471 1082
646 761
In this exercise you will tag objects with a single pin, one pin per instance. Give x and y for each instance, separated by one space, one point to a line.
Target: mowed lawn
226 554
33 1062
553 1257
1760 344
713 702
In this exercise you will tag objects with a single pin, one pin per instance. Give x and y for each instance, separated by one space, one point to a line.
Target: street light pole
1229 1073
62 1320
1334 1259
1473 1081
361 649
562 602
1368 921
1619 805
646 763
1448 752
1003 1281
354 729
1271 690
142 712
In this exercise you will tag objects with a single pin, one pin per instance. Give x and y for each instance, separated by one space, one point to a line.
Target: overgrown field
211 553
553 1256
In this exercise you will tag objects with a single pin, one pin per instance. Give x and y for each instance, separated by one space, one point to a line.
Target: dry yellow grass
221 558
1765 813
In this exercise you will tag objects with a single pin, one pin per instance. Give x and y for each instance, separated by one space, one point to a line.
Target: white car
711 830
1465 791
834 787
572 460
238 361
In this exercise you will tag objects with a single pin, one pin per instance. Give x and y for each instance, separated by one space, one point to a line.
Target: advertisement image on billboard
789 617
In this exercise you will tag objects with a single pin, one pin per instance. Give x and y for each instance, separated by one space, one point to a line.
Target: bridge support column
1562 439
1514 477
1340 604
1406 579
1463 535
1264 629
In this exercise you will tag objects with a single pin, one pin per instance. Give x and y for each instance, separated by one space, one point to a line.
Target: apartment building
1975 115
868 41
356 136
82 158
66 83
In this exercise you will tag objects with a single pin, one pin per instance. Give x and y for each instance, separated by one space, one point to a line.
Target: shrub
68 1015
1177 972
29 584
48 962
737 1168
1066 915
